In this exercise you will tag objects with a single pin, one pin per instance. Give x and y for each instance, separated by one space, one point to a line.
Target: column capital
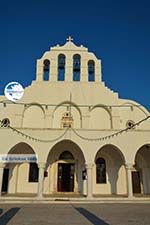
89 165
129 166
2 165
41 165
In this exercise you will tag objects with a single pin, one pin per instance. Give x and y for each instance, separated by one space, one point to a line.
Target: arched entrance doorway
66 170
65 164
21 171
141 174
109 172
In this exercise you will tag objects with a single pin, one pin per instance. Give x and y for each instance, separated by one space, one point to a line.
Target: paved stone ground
75 214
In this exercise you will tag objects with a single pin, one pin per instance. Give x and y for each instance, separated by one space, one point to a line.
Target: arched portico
109 171
141 172
65 164
20 174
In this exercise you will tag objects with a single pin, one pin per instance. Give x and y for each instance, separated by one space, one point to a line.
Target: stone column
41 167
16 180
53 70
129 168
39 70
84 70
69 68
89 180
98 71
2 165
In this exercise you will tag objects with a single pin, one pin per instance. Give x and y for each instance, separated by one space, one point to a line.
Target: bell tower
68 63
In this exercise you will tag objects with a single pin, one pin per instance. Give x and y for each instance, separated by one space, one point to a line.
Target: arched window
100 171
33 172
61 67
91 70
46 69
66 155
76 67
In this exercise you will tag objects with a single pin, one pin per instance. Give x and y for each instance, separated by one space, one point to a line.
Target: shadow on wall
113 176
91 217
8 215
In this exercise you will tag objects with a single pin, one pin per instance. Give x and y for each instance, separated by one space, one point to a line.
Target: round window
130 124
5 122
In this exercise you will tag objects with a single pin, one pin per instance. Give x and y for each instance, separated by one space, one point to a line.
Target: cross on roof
70 39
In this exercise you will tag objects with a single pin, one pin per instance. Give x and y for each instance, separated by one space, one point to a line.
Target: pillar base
39 196
89 197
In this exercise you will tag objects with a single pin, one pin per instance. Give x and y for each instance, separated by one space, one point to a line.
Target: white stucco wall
91 105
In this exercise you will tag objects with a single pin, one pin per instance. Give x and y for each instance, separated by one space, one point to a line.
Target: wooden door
59 183
65 177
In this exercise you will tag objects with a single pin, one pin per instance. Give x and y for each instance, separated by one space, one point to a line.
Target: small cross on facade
70 39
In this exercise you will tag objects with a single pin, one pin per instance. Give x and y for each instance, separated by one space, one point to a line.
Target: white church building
86 140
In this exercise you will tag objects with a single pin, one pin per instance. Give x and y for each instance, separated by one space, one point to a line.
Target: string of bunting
36 139
111 135
82 137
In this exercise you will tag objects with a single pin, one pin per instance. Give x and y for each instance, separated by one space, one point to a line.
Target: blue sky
118 32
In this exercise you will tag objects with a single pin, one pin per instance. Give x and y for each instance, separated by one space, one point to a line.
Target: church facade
86 140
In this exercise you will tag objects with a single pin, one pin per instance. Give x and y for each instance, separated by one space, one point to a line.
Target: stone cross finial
70 39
